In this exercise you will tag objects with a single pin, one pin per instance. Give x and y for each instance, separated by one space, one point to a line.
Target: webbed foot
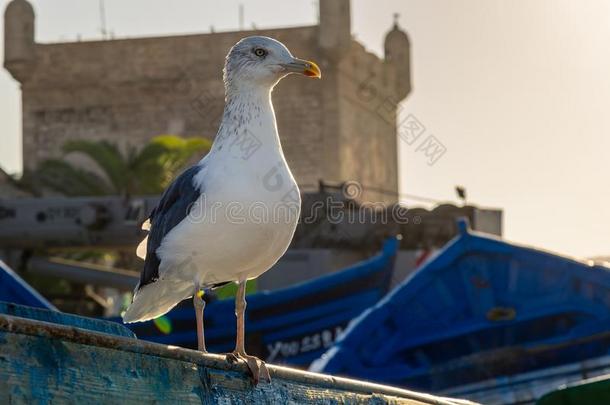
256 366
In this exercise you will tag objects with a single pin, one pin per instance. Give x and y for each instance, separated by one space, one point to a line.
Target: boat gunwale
18 325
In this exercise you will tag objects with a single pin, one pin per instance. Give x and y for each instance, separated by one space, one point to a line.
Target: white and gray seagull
231 216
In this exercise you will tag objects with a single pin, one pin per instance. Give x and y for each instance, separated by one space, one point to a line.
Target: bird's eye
260 52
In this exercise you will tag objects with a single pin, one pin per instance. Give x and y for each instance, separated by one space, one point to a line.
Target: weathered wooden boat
486 320
48 357
291 326
530 387
592 391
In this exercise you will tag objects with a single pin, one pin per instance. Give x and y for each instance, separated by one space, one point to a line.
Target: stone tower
334 37
397 54
19 39
338 129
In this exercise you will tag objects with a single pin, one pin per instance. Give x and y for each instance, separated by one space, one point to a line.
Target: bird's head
262 62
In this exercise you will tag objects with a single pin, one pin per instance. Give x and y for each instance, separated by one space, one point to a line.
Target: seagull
230 217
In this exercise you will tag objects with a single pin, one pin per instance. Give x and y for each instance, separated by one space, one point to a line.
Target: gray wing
173 207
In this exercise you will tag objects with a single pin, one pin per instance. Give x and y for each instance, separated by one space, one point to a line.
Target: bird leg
199 305
256 366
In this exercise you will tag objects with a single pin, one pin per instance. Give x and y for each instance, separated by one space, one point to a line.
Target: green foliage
229 290
145 171
166 155
64 178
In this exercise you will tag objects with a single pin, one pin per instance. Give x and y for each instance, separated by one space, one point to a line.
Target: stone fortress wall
130 90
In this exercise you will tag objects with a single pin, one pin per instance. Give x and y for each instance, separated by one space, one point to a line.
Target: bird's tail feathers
156 299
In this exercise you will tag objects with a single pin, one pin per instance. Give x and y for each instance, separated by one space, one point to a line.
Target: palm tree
135 172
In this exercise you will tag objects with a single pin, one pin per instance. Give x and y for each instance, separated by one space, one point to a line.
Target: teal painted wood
62 318
42 363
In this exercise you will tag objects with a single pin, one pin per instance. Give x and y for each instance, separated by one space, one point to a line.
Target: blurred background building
129 90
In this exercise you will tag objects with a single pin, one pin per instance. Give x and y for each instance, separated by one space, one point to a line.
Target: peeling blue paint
43 363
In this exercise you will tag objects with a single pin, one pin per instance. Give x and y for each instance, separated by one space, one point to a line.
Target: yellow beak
312 70
304 67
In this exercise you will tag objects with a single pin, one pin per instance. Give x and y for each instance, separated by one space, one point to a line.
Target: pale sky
517 91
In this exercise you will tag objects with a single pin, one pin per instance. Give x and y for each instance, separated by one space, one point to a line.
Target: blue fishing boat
16 290
293 325
483 319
